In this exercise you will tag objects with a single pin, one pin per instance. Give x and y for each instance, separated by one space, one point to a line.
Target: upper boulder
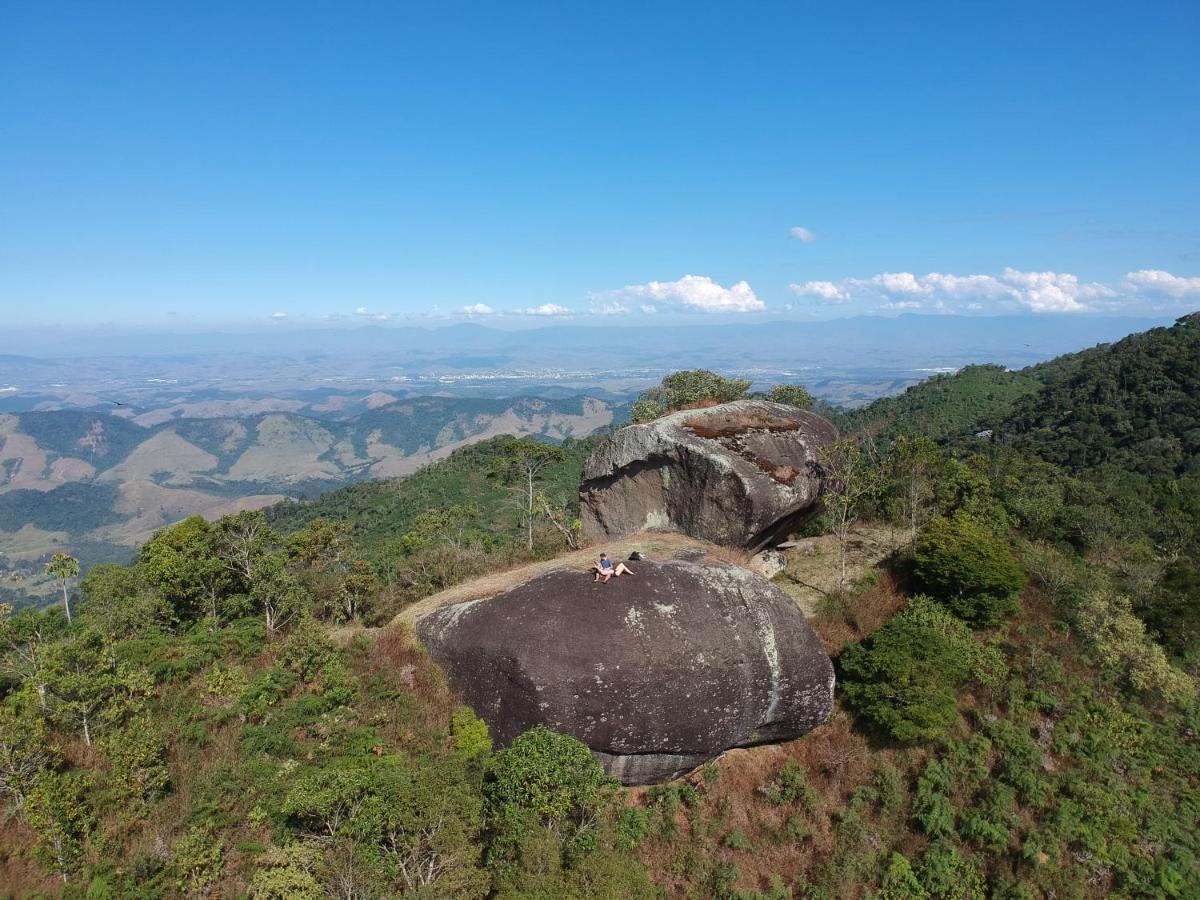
740 474
657 672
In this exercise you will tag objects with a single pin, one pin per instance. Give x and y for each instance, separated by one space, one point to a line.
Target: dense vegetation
975 398
700 387
1134 405
470 480
1017 713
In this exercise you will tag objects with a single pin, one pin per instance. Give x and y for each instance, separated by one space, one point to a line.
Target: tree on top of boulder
681 390
791 395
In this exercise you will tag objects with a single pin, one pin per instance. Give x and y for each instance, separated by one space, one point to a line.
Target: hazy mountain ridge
74 478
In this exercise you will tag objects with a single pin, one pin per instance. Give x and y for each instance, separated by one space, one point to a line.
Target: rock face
741 474
656 672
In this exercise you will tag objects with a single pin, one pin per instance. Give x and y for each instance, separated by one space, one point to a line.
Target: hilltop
244 709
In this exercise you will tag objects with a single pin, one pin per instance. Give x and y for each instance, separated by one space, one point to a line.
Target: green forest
234 714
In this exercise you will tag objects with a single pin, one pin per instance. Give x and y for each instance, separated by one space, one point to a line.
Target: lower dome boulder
657 672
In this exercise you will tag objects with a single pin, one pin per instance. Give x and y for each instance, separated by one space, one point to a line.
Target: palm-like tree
64 568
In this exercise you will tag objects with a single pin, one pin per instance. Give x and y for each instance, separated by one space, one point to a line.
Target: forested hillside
1016 714
471 480
1134 405
975 398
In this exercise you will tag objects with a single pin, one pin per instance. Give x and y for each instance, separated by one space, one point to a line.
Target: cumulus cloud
802 234
825 291
546 309
1012 289
365 313
278 316
698 293
1158 282
476 310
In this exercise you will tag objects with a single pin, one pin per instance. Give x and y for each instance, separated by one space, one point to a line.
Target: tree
559 515
902 679
57 810
848 481
551 776
137 757
249 550
685 389
89 687
913 463
523 462
26 639
791 395
183 564
413 823
968 568
25 747
116 602
63 568
438 525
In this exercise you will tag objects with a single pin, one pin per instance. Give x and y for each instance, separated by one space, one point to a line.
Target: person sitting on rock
605 570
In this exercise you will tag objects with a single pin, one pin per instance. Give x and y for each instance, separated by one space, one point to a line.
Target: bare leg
622 569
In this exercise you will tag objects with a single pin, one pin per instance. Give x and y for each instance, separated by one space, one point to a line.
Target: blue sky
302 163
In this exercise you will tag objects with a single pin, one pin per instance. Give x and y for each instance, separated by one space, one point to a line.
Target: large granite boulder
741 474
657 672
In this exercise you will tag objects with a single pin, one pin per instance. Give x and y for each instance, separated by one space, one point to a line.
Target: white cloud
822 290
1156 281
693 292
900 283
1012 289
277 316
546 309
802 234
1053 291
367 314
476 310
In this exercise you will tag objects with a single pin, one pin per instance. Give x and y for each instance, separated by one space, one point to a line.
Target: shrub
286 873
470 734
551 776
683 389
903 678
791 395
1119 638
963 564
789 786
900 882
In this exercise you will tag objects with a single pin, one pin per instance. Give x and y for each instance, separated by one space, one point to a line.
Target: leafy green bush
683 389
963 564
791 395
552 776
470 734
903 678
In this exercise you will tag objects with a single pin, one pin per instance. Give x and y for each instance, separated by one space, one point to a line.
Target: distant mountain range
847 362
98 484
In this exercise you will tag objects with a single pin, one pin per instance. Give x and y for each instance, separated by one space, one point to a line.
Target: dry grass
811 576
